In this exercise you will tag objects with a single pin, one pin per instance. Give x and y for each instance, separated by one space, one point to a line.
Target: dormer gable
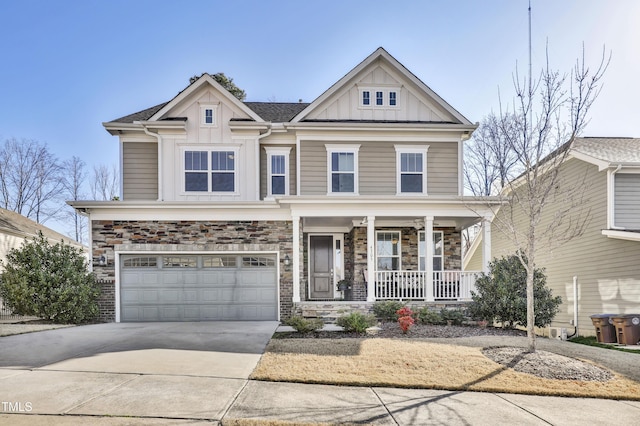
214 94
381 89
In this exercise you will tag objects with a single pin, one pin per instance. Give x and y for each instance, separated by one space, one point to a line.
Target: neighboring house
253 211
602 266
15 229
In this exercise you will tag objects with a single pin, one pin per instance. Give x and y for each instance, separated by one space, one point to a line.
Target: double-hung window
196 171
366 97
411 167
210 171
342 166
379 98
223 171
277 170
208 114
438 260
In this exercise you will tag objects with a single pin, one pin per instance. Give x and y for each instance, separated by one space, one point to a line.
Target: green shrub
386 310
304 325
428 316
502 295
356 322
49 281
454 316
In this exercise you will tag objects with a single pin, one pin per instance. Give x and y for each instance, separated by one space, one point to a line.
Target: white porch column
486 244
296 259
428 253
371 258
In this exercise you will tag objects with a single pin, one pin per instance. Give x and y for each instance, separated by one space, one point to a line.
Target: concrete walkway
115 374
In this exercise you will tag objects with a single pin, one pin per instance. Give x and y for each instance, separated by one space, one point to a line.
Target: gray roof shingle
612 150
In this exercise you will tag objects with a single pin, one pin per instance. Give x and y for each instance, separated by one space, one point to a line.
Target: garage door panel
247 291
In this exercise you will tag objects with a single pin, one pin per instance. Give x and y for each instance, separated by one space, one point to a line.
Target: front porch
382 258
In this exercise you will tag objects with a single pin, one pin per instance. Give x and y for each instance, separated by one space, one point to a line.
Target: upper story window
384 98
366 97
411 167
342 166
219 175
379 98
208 114
277 170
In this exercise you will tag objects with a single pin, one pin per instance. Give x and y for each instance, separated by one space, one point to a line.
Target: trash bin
605 330
627 328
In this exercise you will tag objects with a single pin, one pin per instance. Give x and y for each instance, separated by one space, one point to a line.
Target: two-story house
597 272
247 210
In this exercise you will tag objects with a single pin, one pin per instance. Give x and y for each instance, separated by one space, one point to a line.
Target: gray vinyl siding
608 270
140 171
377 168
263 171
627 201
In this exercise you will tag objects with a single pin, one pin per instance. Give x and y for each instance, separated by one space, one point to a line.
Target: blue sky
69 65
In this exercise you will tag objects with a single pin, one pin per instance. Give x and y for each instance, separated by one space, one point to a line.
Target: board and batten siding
377 168
627 201
607 270
139 171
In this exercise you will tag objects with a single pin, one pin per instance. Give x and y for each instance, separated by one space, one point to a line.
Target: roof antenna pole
530 71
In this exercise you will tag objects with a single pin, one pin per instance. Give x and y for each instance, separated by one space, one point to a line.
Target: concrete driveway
144 370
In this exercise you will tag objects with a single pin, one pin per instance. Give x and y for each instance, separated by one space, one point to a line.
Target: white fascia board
117 128
342 126
352 206
164 125
602 165
621 235
170 214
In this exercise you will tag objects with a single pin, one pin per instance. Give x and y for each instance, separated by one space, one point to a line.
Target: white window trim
411 149
389 231
203 109
421 252
271 151
209 150
337 148
373 98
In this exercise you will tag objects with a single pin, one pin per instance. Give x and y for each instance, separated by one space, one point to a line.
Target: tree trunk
531 315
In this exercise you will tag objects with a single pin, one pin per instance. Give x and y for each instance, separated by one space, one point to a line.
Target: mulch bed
417 331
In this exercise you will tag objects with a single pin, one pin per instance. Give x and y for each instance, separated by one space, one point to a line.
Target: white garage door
198 287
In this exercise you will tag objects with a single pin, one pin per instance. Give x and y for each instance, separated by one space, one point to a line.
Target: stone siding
236 236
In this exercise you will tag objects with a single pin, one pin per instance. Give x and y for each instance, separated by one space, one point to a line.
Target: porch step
329 312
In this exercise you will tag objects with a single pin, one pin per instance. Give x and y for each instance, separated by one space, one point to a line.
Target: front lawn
419 364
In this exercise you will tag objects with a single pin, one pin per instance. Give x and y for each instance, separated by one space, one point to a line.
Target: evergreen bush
502 295
51 282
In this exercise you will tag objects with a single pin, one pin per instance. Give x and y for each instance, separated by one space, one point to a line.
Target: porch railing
412 285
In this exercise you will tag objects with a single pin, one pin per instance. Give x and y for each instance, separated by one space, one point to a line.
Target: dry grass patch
416 364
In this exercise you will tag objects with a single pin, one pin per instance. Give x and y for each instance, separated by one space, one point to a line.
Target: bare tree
29 179
74 177
551 111
490 162
105 183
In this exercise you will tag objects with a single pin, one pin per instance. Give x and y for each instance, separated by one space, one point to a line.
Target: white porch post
296 259
371 258
428 253
486 244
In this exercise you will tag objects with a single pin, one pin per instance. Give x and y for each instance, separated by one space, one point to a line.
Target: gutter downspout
159 139
575 306
257 153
